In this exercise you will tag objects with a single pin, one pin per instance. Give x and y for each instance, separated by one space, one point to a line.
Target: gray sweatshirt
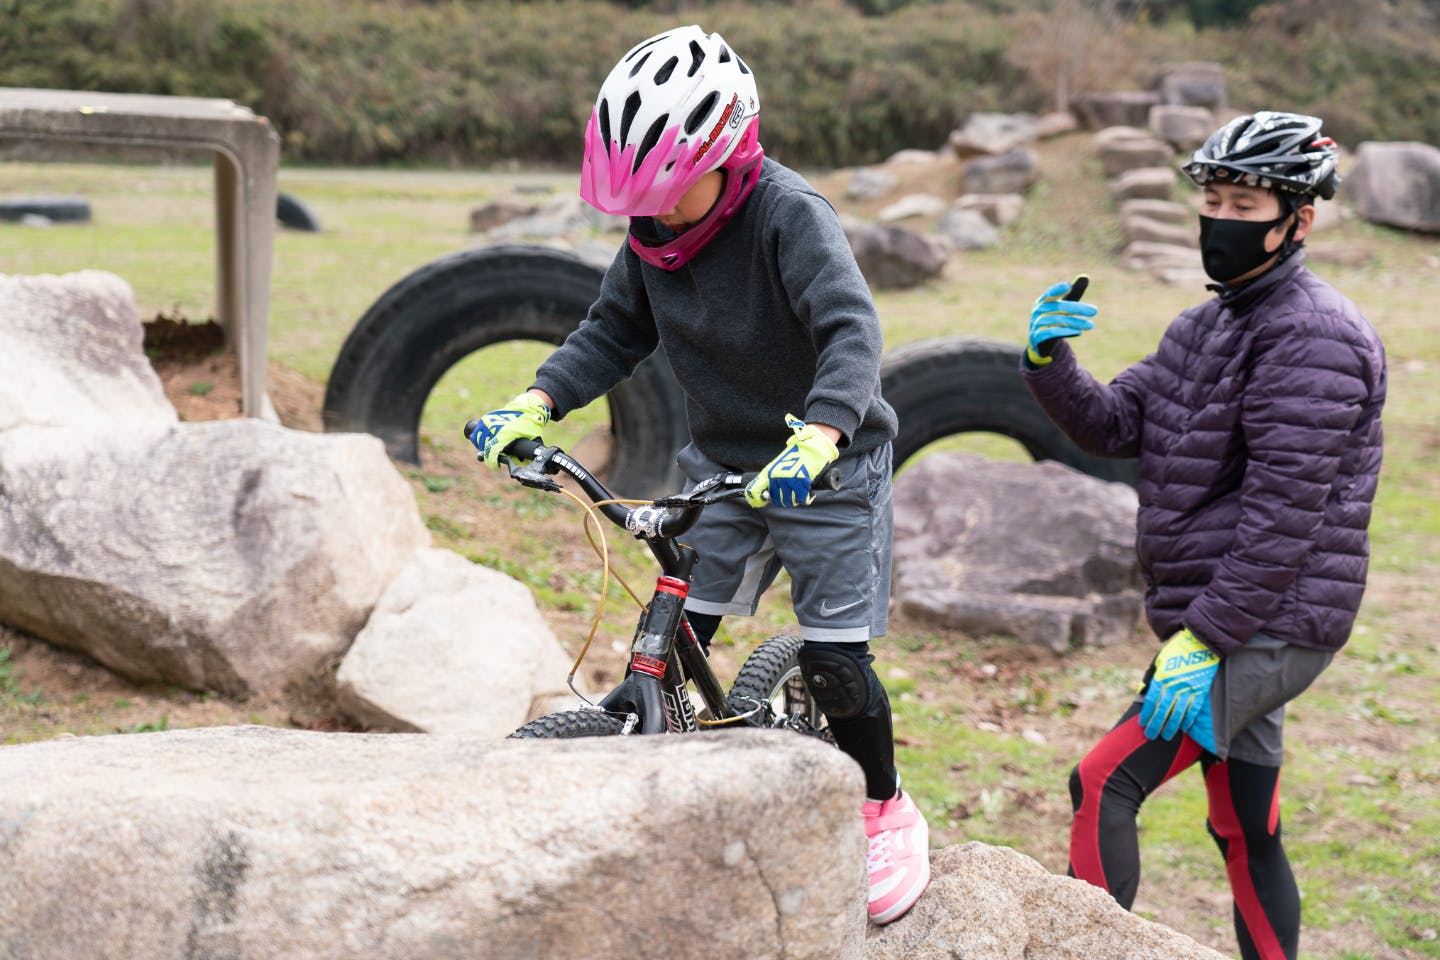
772 317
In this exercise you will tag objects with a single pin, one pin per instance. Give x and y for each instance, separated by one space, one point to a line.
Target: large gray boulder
252 843
967 229
1197 84
1097 110
1014 171
998 208
870 183
454 647
72 354
234 556
1146 183
991 134
1166 211
992 903
1138 228
1184 128
1120 154
1036 551
893 257
1397 184
910 206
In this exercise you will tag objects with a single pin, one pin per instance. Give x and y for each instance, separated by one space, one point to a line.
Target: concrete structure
247 156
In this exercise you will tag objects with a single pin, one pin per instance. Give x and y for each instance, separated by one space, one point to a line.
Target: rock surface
234 556
251 842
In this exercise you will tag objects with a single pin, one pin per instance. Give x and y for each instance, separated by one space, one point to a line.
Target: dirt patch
200 375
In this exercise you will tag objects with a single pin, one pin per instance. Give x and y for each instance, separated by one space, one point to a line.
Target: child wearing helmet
1256 422
741 272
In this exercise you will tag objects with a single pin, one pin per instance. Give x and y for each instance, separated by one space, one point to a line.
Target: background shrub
841 83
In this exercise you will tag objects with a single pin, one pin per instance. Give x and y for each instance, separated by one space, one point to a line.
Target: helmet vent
697 57
741 64
701 111
664 72
724 54
652 137
604 111
639 64
648 43
632 107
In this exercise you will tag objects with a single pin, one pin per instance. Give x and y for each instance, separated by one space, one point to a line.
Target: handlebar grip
830 479
1077 288
522 448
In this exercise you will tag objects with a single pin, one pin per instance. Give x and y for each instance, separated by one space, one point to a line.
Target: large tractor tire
951 385
462 302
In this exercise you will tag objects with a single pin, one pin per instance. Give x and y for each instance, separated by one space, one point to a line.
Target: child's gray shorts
836 551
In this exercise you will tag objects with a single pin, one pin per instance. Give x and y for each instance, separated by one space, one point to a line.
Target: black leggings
1107 789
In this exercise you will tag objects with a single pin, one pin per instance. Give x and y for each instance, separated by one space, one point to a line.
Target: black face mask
1232 248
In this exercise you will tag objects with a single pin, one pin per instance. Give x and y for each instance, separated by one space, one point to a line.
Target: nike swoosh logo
828 611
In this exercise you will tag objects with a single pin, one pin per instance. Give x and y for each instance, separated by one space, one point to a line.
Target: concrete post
247 158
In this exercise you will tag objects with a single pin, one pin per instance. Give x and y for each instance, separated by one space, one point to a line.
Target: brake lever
529 476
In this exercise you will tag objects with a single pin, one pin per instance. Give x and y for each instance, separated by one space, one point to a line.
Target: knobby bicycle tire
766 672
570 725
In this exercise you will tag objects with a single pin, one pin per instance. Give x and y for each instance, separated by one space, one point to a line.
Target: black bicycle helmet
1271 150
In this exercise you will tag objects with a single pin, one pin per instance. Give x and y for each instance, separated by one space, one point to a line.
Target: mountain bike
666 658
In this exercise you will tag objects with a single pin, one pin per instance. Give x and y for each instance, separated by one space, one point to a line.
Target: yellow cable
602 550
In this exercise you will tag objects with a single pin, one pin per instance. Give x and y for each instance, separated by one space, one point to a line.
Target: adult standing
1256 422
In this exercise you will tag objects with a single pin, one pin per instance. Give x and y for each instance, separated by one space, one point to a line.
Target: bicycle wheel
570 725
771 676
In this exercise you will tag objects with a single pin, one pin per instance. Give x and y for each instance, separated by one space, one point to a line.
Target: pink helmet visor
742 171
611 181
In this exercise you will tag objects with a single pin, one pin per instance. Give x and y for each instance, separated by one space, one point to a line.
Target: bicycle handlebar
664 517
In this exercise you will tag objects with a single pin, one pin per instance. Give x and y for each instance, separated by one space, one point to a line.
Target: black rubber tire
453 306
570 725
55 209
951 385
773 670
294 214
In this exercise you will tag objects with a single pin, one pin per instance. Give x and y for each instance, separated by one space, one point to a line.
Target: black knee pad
838 676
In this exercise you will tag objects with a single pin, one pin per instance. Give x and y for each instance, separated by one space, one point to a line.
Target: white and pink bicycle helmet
674 108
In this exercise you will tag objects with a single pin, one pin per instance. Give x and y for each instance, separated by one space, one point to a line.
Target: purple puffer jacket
1257 425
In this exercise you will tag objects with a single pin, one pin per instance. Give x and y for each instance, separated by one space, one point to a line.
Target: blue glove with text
1058 313
1178 698
523 418
788 477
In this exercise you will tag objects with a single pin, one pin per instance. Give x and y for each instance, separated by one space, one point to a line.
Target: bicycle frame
664 653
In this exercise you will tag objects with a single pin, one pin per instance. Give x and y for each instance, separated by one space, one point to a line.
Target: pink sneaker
899 858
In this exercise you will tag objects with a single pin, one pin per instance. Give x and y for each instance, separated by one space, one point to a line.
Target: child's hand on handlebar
522 418
787 478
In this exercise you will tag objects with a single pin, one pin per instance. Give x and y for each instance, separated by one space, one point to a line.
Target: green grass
1362 783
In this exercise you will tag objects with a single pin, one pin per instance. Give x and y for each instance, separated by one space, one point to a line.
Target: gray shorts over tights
836 551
